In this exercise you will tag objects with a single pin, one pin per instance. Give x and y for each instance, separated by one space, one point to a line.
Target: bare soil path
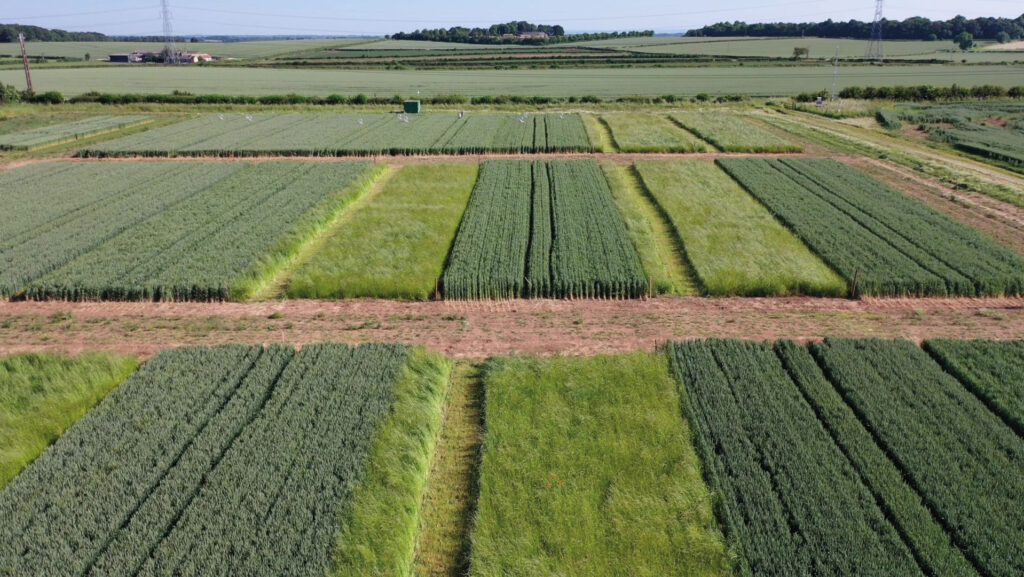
479 329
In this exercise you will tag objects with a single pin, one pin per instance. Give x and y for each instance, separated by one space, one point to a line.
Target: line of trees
916 28
508 33
9 33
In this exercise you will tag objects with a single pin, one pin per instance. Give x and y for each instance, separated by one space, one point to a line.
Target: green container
412 106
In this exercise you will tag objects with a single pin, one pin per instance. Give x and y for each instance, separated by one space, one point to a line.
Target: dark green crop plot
150 231
226 460
966 464
880 241
548 229
371 134
992 370
791 502
923 533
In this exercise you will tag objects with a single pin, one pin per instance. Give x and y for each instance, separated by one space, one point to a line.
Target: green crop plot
373 134
992 370
880 241
163 477
640 132
57 133
131 231
395 245
588 469
735 246
731 133
542 229
965 462
41 395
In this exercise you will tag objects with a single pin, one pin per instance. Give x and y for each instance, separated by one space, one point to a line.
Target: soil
477 329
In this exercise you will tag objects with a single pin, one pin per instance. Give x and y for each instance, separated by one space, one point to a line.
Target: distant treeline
9 33
922 93
509 32
915 28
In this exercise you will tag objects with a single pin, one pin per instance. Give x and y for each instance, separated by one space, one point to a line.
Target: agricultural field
532 229
617 485
880 241
58 133
732 133
249 49
640 132
761 81
162 231
315 422
395 245
993 131
372 134
736 247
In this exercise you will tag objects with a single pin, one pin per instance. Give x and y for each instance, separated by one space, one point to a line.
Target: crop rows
857 457
880 241
133 231
226 460
328 134
790 501
29 139
730 133
546 229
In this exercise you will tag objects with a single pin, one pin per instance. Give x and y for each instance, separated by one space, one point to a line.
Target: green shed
412 106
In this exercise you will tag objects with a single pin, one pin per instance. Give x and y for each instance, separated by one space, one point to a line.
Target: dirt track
479 329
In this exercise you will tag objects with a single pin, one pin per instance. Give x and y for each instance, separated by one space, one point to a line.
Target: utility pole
835 77
24 59
874 51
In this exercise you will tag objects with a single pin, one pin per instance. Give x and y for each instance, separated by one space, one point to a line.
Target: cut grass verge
380 524
643 132
588 468
449 503
395 245
735 245
41 395
597 132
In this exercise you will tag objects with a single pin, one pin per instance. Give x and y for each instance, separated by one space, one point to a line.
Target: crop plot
736 247
152 231
542 229
57 133
731 133
231 459
880 241
351 134
991 130
642 132
587 469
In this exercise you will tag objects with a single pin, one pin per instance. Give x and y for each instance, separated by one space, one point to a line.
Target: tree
9 94
801 52
88 57
965 40
1002 37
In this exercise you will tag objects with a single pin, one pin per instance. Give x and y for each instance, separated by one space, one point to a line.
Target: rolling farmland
880 241
57 133
529 231
201 231
348 134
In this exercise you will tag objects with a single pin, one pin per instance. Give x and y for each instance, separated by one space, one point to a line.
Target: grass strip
644 132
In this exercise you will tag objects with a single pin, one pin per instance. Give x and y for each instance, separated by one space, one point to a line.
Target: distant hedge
924 92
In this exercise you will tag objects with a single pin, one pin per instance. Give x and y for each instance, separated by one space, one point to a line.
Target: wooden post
853 289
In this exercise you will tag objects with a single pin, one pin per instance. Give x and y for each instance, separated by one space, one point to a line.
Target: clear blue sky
321 17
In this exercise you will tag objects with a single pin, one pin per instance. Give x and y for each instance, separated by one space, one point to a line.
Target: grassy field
41 395
642 132
253 49
394 246
603 82
587 469
736 247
